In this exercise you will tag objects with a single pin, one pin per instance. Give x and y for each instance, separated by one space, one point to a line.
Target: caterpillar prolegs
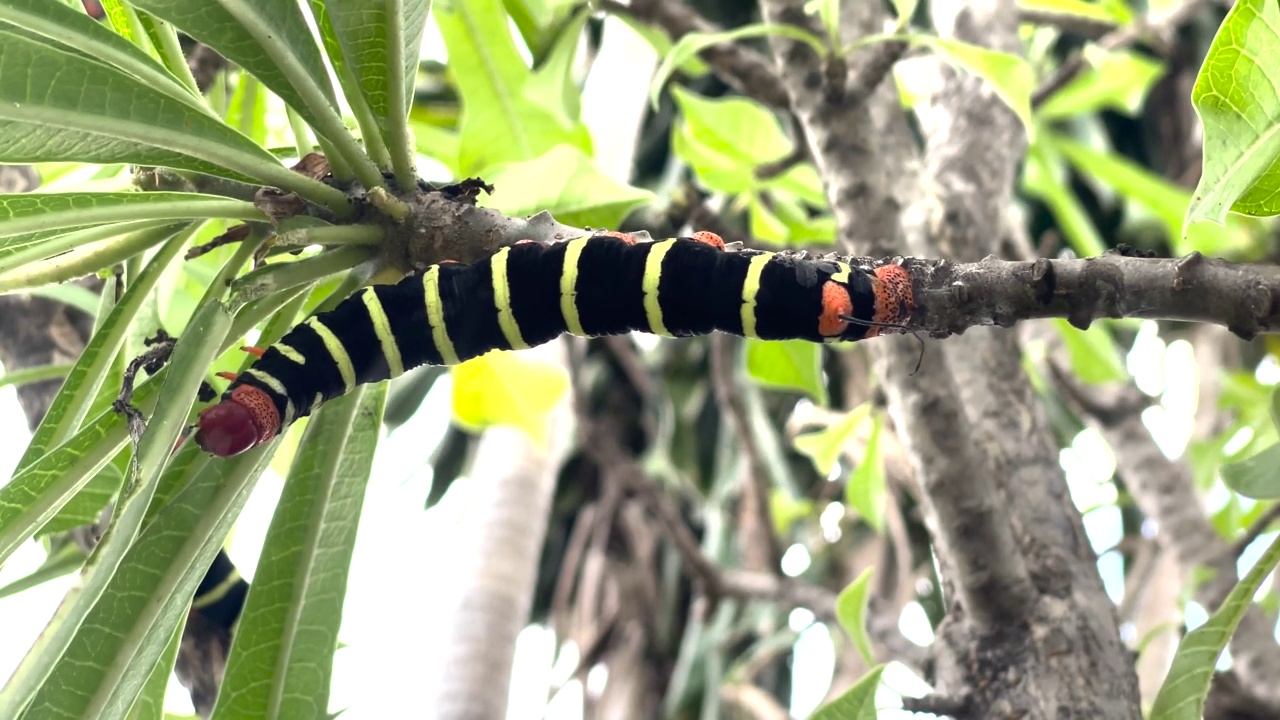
528 294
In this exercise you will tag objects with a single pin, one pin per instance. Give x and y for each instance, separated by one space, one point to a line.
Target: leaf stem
395 127
171 53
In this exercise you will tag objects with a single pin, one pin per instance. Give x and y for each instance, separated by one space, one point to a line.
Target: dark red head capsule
244 419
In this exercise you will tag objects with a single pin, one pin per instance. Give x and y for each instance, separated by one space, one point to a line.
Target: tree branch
740 67
951 297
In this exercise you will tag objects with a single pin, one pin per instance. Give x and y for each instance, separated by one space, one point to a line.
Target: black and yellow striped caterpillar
528 294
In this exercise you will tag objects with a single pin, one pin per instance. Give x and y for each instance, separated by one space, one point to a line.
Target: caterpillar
527 294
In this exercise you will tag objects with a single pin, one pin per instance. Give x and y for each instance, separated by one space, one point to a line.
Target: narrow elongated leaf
150 702
1116 81
289 630
37 212
112 656
74 31
18 250
85 260
56 105
194 352
1181 696
1237 96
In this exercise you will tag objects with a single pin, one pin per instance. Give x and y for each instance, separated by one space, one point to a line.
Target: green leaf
77 296
787 365
552 86
37 212
693 43
1181 696
506 388
57 105
150 702
1115 12
1043 176
282 653
63 561
1256 477
851 612
247 111
498 124
1009 75
825 446
362 32
194 352
83 383
725 140
857 703
38 373
1116 81
115 651
73 30
1095 359
1237 96
865 491
271 40
86 260
565 182
1169 202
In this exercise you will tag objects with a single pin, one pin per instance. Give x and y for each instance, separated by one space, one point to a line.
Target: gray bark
1029 632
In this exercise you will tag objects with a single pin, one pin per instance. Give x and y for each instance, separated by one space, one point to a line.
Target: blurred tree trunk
493 564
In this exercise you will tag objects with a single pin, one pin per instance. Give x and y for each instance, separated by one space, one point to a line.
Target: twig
152 360
723 372
872 68
938 705
1114 40
746 70
1091 28
1258 527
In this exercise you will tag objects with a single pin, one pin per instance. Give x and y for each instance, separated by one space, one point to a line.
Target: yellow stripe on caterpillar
337 350
502 300
435 316
652 279
382 328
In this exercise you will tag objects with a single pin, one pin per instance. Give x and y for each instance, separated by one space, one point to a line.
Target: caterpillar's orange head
244 419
